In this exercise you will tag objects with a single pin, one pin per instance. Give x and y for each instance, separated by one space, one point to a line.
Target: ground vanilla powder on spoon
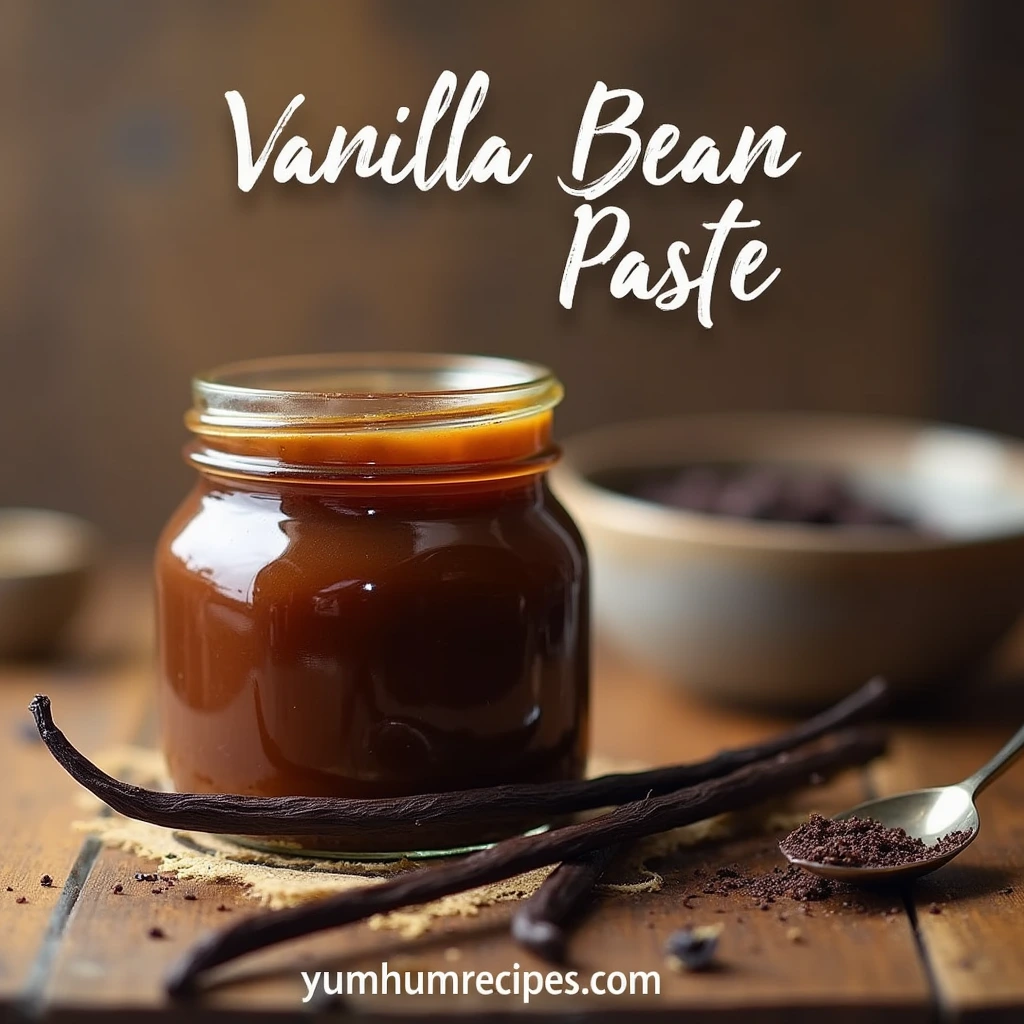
863 843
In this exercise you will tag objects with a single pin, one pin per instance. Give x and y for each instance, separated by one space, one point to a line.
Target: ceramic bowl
46 559
790 615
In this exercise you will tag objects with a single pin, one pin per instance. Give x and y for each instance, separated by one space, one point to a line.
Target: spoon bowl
925 814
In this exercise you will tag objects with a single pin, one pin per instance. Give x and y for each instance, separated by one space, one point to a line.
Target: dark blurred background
130 260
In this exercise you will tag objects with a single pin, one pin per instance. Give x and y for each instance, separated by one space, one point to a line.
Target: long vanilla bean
485 807
741 788
538 924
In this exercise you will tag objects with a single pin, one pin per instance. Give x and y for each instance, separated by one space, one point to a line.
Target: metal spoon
926 814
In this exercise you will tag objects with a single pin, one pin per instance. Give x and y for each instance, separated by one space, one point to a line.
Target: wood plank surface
103 688
970 915
80 952
846 960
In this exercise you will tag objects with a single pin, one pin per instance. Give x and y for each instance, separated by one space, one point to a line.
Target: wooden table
75 951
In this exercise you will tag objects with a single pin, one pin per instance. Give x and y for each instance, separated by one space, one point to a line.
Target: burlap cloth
277 880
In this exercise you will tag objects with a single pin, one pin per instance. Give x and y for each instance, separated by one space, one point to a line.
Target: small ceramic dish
794 615
46 559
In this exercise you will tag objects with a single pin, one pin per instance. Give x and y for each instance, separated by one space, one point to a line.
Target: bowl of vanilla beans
777 559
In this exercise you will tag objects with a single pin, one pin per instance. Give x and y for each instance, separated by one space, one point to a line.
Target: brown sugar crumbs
863 843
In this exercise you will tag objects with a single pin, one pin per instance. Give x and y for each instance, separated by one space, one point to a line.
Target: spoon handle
994 768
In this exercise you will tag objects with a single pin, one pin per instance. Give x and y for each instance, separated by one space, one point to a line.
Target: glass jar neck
381 419
476 451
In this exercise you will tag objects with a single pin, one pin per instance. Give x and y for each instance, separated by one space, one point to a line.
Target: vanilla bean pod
490 806
538 923
741 788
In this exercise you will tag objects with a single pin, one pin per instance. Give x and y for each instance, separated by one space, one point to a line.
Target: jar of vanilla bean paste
370 591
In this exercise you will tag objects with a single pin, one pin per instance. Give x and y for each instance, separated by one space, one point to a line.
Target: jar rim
353 388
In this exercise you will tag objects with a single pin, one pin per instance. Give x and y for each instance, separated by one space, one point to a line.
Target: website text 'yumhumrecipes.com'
514 982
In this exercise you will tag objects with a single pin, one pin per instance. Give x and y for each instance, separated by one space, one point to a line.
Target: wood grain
841 956
846 961
104 690
851 963
970 915
109 957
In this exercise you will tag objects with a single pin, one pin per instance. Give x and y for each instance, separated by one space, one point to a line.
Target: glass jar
370 591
